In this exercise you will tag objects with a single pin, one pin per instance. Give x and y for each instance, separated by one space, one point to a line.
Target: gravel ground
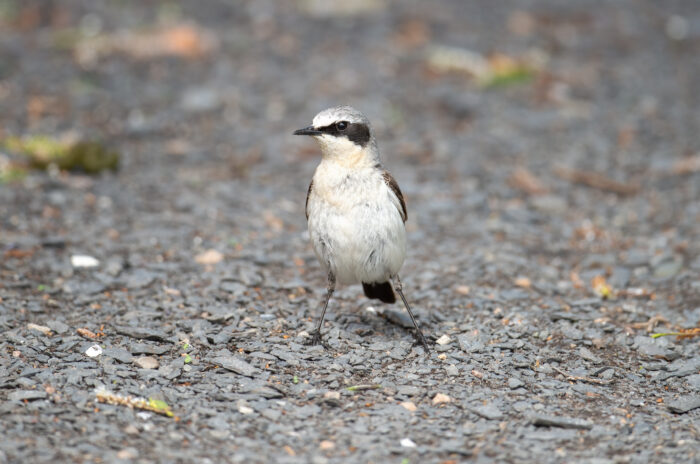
553 224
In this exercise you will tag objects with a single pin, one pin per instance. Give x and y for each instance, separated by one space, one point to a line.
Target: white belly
357 231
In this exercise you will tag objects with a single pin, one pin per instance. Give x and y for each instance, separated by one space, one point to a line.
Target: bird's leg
398 287
316 334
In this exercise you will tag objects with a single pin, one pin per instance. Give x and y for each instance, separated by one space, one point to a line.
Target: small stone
452 370
684 404
408 443
172 370
668 268
237 365
514 294
694 381
514 383
146 362
120 354
441 398
94 351
408 390
209 257
128 453
247 410
654 348
26 395
586 354
131 430
462 290
83 261
489 412
232 286
141 333
271 414
409 406
145 348
331 395
140 278
444 340
560 421
58 326
326 445
39 328
549 204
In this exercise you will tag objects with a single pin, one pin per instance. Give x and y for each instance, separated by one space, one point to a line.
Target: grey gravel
200 100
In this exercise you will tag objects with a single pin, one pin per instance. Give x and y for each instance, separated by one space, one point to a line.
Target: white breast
354 223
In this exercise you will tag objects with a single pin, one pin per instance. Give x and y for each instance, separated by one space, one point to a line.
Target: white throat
347 153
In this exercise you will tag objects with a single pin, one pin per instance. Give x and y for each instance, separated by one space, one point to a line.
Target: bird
355 211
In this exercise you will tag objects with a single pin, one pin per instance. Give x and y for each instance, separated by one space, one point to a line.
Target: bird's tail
381 291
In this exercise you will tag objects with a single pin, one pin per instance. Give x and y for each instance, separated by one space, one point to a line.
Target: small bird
355 211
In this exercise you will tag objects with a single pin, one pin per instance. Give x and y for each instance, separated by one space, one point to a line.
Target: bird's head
342 132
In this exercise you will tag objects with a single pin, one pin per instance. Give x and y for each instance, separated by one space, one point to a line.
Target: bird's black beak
308 131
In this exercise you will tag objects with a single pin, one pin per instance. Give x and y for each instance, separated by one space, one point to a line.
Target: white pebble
94 351
83 261
408 443
444 340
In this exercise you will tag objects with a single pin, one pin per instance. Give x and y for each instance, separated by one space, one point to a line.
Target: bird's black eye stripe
356 132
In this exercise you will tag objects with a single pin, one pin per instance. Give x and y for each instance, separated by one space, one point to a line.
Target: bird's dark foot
317 340
421 339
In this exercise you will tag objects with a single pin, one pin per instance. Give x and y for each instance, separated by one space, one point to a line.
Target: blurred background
545 127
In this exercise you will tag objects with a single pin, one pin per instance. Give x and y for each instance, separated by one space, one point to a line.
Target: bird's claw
422 341
317 340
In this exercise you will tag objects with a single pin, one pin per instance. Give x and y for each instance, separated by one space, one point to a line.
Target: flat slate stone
235 364
542 420
28 395
142 333
684 404
120 354
490 412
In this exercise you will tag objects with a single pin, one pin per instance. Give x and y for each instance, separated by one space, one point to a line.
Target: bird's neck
350 155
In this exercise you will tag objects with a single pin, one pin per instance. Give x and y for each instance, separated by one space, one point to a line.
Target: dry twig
596 180
573 378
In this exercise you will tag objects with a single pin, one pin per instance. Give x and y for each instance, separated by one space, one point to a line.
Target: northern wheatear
355 210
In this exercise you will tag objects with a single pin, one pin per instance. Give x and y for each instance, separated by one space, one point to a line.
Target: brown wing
391 183
308 194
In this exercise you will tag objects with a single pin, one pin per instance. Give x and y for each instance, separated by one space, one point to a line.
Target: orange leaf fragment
87 333
523 179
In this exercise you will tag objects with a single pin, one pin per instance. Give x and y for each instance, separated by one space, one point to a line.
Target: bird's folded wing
308 194
394 187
